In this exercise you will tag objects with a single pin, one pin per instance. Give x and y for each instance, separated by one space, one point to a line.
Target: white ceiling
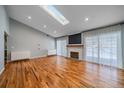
99 16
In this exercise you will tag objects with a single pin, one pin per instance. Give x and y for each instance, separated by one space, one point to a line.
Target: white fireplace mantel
75 45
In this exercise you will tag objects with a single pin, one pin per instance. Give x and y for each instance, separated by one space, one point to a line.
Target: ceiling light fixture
29 17
86 19
55 14
44 26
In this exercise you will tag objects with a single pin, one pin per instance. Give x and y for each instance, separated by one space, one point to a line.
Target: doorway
5 48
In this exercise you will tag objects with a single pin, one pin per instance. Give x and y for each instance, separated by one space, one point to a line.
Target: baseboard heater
20 55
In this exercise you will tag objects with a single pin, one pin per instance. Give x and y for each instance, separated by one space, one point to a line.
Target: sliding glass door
92 48
108 45
104 46
61 47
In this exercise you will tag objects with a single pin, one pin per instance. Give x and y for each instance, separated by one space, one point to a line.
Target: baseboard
19 60
51 55
27 58
2 71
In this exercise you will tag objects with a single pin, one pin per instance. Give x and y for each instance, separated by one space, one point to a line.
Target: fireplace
75 51
74 55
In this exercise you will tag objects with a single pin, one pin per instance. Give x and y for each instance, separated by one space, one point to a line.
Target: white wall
1 49
4 20
122 35
25 38
4 27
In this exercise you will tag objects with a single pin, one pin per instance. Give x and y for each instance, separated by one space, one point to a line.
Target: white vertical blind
58 47
61 46
103 46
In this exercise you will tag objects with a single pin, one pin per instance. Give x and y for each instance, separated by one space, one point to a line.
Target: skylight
55 13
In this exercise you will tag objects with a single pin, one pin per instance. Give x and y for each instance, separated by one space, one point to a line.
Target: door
61 47
58 47
5 48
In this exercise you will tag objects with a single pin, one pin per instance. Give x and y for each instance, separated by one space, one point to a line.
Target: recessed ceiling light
86 19
44 26
50 9
29 17
55 31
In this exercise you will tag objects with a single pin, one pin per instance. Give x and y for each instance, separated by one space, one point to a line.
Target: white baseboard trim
29 58
2 71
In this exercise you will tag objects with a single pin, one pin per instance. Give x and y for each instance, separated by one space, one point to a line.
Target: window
55 14
104 46
92 48
61 46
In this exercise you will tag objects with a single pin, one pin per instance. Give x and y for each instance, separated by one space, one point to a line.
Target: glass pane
108 49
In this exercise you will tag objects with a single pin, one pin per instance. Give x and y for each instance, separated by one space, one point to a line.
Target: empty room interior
61 46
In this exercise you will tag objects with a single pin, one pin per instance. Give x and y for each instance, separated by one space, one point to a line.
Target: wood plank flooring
59 72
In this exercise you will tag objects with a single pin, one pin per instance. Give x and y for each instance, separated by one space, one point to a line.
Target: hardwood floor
59 72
